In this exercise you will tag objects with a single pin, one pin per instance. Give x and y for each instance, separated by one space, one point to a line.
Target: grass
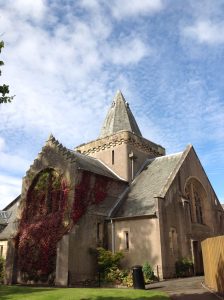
39 293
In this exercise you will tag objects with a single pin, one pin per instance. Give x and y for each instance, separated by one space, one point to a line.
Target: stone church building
120 191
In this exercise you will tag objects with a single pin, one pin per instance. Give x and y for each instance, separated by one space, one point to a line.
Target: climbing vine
45 219
88 191
42 226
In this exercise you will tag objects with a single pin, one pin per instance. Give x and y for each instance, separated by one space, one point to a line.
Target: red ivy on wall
90 190
41 226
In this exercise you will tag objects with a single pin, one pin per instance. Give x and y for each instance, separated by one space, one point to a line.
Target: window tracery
195 194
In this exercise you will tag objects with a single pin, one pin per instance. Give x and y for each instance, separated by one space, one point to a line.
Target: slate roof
4 216
103 208
119 117
150 183
83 161
10 229
94 165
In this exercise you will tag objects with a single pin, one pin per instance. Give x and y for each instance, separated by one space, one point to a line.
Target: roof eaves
12 203
171 177
152 215
110 170
206 176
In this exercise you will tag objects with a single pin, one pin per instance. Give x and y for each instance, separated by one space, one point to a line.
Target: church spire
119 117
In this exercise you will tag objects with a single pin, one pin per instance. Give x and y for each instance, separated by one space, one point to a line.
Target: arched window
173 241
44 194
196 195
198 207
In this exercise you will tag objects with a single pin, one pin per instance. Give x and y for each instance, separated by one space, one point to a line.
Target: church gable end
58 190
190 208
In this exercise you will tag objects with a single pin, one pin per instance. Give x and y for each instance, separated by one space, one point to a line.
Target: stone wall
3 248
126 147
175 220
90 231
144 242
74 263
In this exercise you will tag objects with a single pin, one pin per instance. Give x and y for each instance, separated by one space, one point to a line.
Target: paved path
184 289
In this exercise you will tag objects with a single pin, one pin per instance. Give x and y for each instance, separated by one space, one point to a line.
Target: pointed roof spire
119 117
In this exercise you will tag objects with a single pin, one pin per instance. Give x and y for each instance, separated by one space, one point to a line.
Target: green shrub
2 269
107 260
116 275
184 267
128 280
148 272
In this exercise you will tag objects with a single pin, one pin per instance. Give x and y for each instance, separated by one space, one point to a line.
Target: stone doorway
197 258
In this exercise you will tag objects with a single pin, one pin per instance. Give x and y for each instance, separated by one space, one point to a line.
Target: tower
120 144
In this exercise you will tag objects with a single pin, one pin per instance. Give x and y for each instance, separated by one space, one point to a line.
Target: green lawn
34 293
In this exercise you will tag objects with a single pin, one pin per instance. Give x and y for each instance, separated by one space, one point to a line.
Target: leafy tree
4 89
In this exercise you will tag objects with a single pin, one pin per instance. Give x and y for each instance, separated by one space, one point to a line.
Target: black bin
138 278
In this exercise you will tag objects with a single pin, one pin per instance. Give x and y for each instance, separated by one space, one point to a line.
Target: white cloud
9 162
90 4
52 71
13 162
133 8
10 188
2 144
65 61
33 10
128 52
206 32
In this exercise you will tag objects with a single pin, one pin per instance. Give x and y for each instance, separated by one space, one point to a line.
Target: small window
1 251
98 231
126 239
173 241
112 158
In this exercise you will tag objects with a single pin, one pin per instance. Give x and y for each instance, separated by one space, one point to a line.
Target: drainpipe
112 236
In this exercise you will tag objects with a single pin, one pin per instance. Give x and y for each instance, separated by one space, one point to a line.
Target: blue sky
65 60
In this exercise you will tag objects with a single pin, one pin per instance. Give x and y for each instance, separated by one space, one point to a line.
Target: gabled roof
94 165
6 213
153 181
4 216
119 117
82 161
10 229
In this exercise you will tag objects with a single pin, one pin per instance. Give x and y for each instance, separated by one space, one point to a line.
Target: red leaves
87 193
40 230
42 222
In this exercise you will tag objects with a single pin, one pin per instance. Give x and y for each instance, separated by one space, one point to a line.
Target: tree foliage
4 89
